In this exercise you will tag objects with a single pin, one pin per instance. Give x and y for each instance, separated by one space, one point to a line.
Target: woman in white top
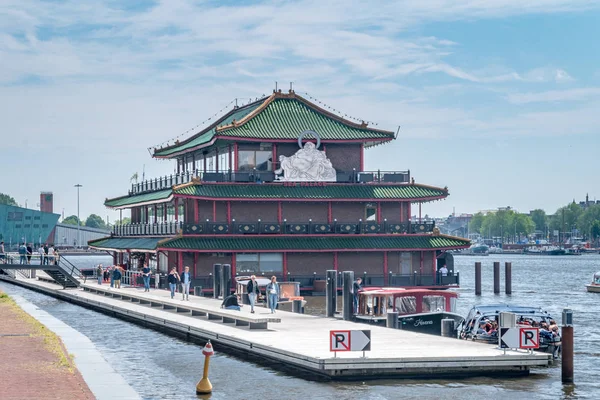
273 293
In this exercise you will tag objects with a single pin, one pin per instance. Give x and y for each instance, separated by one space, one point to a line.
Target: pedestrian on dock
29 253
100 273
146 277
356 288
112 276
22 254
42 253
186 279
117 275
45 253
231 303
50 255
273 293
2 253
253 292
173 279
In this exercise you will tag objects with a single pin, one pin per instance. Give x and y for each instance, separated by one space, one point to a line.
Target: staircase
64 273
61 279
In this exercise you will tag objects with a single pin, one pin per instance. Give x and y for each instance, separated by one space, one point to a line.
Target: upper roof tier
278 117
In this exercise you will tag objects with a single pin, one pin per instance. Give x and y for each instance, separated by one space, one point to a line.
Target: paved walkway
34 363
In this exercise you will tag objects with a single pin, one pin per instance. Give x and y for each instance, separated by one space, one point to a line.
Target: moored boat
594 287
481 325
419 310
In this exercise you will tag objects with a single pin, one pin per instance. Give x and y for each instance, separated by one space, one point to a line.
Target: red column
214 211
401 212
335 260
285 268
329 213
274 156
176 204
195 263
421 264
180 261
146 212
235 157
362 157
229 212
204 162
279 213
196 212
378 212
165 208
385 268
230 157
409 213
234 268
434 264
217 159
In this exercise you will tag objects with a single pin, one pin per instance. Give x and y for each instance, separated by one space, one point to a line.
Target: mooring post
331 292
216 280
225 280
297 307
392 319
447 327
508 278
496 277
347 295
478 279
567 346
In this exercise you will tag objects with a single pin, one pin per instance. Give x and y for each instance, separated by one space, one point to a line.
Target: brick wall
348 212
302 212
307 263
371 262
252 211
204 264
343 157
392 211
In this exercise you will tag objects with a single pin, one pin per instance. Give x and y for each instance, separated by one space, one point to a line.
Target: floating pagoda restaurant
278 187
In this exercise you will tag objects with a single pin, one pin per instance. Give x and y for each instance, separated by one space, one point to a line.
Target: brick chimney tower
46 202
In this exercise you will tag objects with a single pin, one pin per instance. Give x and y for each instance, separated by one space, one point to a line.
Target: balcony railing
255 176
271 228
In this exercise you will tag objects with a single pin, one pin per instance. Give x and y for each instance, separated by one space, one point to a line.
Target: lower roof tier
212 244
297 192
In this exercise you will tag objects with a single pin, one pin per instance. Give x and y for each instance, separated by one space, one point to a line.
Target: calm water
162 367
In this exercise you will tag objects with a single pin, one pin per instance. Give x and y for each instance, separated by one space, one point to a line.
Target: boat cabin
596 279
377 302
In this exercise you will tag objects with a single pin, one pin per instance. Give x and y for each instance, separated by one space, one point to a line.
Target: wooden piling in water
508 278
331 292
216 280
567 346
496 277
347 296
478 279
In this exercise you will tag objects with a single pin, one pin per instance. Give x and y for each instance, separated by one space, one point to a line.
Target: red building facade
278 187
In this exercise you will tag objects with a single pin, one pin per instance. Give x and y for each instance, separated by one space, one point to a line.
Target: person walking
356 288
100 273
146 278
253 292
112 276
173 279
56 256
29 253
22 254
186 280
41 252
117 275
2 253
273 293
50 258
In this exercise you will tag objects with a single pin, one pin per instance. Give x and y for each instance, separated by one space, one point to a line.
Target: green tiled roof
138 198
280 243
110 243
283 118
276 191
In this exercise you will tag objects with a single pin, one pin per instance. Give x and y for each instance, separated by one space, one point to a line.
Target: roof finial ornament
275 91
291 87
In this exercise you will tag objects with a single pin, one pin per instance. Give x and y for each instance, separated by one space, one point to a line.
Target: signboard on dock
519 338
350 340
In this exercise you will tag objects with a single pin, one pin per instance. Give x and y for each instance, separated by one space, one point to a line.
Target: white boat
594 287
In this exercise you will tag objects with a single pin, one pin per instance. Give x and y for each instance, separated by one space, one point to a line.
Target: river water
162 367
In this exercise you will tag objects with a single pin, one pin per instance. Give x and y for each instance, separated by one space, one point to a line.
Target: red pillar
385 268
196 212
285 268
378 212
401 212
434 264
204 162
409 205
235 157
180 261
165 208
195 263
230 157
362 157
274 159
146 214
214 211
234 268
229 212
329 213
217 159
279 213
176 205
421 264
335 260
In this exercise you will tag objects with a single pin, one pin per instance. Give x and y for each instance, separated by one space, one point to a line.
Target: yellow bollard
204 386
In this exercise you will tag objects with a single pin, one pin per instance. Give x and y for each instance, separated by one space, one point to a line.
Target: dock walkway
302 341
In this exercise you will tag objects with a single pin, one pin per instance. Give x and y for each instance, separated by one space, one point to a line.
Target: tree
588 218
8 200
124 221
70 220
523 224
476 222
566 218
95 221
539 218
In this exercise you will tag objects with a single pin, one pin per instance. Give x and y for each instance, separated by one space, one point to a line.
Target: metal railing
271 228
258 176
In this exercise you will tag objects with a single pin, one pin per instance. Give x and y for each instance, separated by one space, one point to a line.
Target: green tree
7 200
588 218
523 225
539 218
123 221
566 218
70 220
95 221
476 222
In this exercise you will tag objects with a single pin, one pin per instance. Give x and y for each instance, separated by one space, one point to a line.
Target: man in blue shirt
186 279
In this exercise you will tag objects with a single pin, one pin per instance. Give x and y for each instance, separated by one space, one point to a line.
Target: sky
497 100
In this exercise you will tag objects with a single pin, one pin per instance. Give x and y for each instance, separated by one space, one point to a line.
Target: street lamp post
78 223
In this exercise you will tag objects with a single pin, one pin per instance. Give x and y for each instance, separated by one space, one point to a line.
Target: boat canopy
596 279
376 301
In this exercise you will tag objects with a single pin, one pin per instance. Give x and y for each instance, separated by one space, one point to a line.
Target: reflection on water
163 367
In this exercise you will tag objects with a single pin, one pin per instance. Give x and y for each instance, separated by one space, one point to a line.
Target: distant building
18 224
587 203
65 235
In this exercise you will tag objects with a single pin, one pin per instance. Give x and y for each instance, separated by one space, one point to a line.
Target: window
28 217
36 218
17 226
36 225
371 212
259 159
44 225
433 303
27 225
14 216
259 263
